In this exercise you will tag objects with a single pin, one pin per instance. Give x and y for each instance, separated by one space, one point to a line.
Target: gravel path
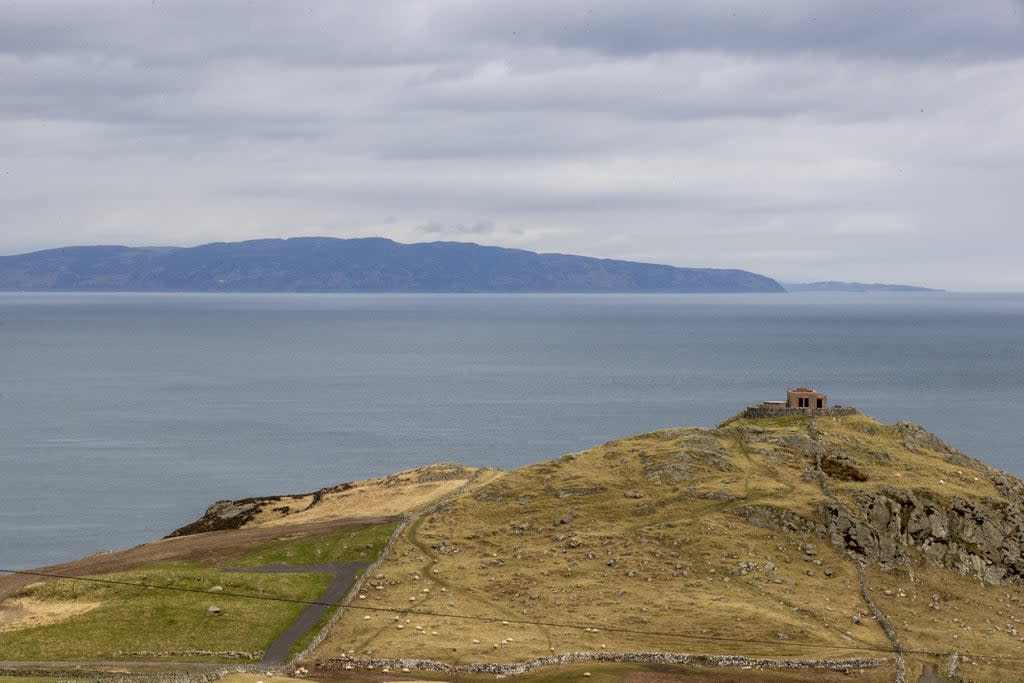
344 576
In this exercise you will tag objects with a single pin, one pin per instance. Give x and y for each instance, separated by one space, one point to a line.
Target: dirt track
214 549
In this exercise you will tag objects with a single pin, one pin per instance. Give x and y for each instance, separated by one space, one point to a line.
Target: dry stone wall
518 668
761 411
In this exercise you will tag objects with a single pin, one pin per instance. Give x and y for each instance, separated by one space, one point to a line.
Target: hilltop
826 540
322 264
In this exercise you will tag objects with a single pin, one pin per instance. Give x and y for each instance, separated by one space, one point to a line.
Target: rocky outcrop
884 525
768 517
224 515
974 538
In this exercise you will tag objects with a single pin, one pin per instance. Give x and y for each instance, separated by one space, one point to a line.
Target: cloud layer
865 140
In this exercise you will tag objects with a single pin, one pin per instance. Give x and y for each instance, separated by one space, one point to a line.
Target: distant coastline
836 286
322 264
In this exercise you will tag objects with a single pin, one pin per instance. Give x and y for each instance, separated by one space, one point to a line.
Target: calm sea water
125 415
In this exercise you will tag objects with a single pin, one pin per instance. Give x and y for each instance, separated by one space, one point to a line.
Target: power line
525 622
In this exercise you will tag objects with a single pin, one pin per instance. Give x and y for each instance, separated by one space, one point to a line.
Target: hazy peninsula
374 264
837 286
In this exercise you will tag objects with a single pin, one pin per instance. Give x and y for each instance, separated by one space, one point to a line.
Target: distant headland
835 286
374 264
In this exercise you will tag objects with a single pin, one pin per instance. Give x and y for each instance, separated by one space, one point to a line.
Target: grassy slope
676 560
362 545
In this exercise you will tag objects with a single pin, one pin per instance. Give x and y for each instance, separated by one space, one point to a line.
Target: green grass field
363 544
130 621
133 623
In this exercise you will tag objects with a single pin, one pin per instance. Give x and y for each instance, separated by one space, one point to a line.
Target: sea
125 415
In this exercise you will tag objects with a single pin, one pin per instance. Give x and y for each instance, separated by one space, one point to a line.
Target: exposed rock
838 466
581 491
768 517
444 472
224 515
972 538
667 473
704 447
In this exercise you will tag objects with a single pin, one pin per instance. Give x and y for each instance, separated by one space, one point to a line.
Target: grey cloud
438 228
873 29
797 138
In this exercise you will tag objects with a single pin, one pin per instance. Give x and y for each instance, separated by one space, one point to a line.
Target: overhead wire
524 622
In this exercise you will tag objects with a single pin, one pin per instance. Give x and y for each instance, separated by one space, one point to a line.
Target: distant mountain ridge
834 286
373 264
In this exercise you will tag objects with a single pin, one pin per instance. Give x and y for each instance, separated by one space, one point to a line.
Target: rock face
866 513
224 515
979 539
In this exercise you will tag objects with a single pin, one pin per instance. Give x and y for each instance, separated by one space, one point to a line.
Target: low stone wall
353 591
769 411
518 668
78 675
148 655
358 585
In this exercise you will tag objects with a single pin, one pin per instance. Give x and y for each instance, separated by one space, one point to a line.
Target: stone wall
762 411
357 586
78 674
616 657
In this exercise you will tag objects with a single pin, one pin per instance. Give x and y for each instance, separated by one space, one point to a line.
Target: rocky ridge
981 536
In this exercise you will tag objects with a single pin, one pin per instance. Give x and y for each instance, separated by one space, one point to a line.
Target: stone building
802 397
799 401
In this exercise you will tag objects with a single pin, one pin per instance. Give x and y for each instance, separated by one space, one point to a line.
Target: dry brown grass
239 677
395 494
22 613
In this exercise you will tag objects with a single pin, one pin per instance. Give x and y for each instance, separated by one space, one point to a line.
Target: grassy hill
717 541
823 538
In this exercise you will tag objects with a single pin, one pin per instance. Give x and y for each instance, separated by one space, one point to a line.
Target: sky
865 140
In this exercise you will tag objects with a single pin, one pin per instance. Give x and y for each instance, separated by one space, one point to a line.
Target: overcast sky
867 140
